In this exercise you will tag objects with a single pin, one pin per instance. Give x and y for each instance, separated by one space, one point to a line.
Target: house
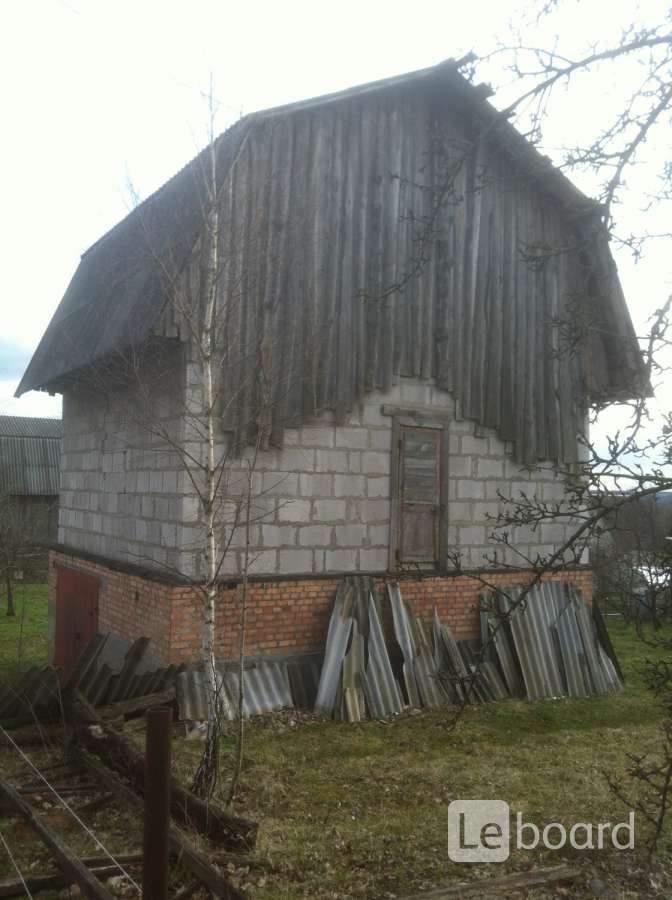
393 260
29 474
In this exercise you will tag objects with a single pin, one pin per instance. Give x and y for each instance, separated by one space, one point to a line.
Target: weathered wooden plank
492 887
123 756
136 704
186 854
72 867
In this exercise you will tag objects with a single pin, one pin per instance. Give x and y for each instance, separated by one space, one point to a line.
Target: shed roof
29 455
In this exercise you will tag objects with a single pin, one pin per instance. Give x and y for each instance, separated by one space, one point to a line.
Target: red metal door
76 615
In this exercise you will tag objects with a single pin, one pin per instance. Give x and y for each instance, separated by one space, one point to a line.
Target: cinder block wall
121 486
283 617
321 505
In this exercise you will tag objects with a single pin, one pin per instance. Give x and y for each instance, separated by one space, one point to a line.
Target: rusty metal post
157 804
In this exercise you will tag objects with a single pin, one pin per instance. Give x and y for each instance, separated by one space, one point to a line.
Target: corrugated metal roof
29 464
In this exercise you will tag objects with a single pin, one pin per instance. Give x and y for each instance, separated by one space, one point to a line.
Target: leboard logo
479 831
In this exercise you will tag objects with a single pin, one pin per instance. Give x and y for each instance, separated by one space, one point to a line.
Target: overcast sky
99 94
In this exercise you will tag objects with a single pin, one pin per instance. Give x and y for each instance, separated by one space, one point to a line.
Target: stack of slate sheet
358 680
548 644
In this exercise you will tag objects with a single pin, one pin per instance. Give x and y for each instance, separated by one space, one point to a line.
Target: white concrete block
331 461
295 510
349 485
375 463
295 561
318 485
315 536
352 438
318 436
328 510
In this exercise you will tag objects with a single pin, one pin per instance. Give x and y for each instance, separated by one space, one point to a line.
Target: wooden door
76 615
419 484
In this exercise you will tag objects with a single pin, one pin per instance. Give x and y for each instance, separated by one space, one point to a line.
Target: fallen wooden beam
121 755
41 788
13 887
100 866
72 867
180 847
79 709
137 704
187 891
123 858
32 735
95 804
516 881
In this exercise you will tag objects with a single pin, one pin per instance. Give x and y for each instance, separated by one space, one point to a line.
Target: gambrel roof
322 209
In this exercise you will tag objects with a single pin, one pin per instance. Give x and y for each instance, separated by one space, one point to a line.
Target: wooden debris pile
97 689
82 786
43 695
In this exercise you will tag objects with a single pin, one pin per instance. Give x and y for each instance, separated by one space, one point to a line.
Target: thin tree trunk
207 773
240 733
10 593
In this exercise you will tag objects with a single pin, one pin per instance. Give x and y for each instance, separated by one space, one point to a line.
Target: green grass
23 637
360 810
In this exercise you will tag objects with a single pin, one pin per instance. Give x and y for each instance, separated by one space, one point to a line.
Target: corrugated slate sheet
266 687
316 203
531 629
552 639
29 461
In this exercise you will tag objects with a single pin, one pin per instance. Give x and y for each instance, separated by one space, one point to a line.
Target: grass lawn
361 810
23 637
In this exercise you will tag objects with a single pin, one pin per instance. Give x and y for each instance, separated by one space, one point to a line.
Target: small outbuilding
29 482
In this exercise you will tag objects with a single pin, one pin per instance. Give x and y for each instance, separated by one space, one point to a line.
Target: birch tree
203 298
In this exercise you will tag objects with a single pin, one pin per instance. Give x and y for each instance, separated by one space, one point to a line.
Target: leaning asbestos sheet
555 642
531 621
598 673
573 656
353 702
404 636
501 640
338 636
265 688
493 681
381 690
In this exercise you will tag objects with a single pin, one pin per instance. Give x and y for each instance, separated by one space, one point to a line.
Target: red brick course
282 617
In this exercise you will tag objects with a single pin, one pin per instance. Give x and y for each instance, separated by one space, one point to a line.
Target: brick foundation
283 617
